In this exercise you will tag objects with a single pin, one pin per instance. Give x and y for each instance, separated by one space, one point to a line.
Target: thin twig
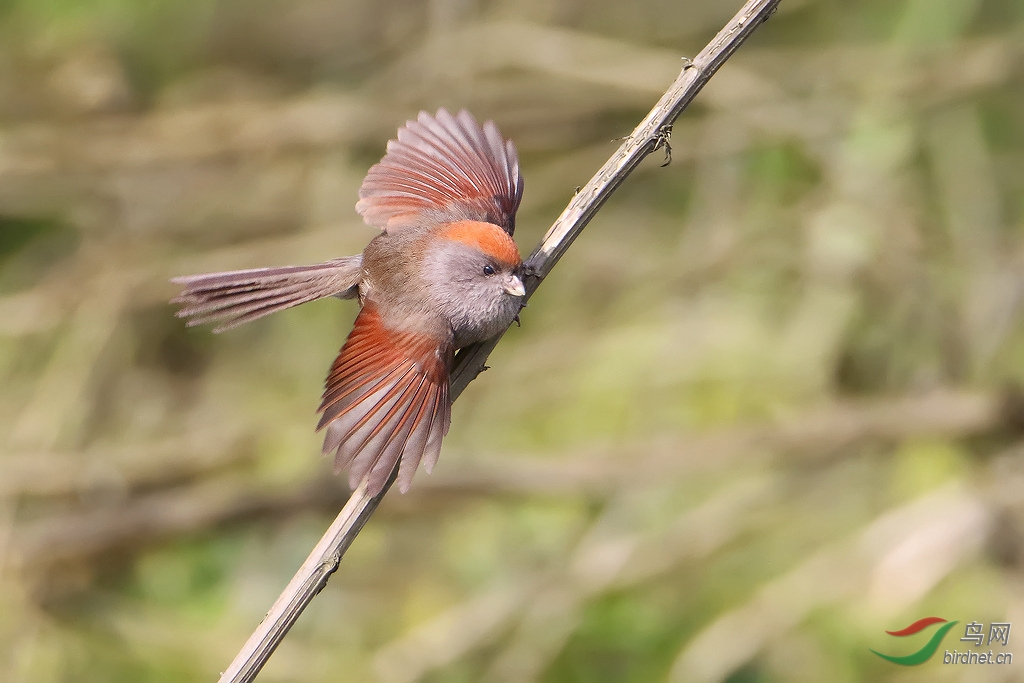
649 136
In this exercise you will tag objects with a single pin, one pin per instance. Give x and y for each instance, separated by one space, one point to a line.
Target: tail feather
215 300
247 307
240 296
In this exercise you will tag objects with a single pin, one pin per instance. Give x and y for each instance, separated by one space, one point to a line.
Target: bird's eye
488 270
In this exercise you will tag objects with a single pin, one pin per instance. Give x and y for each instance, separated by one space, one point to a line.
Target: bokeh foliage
764 410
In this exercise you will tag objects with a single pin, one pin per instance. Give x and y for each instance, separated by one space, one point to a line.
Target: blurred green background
764 410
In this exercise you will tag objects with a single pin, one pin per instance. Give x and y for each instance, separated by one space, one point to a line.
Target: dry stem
652 134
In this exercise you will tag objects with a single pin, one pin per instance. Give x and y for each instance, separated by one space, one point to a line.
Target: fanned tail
240 296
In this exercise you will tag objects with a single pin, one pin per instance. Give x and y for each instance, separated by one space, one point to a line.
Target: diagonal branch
653 133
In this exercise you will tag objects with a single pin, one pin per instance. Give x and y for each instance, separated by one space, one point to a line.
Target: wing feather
386 400
444 168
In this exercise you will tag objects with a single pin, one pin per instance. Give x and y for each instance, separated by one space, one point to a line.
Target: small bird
443 273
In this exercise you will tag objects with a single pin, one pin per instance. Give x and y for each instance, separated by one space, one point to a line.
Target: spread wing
386 398
440 169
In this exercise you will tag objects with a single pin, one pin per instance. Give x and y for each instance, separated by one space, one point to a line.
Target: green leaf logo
922 655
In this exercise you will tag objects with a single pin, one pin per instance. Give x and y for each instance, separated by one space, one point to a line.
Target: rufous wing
386 398
443 168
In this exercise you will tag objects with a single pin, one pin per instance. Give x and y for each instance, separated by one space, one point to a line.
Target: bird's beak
514 286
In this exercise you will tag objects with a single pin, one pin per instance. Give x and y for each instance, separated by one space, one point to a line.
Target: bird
443 273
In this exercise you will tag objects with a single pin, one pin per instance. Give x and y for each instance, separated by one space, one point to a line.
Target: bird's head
475 274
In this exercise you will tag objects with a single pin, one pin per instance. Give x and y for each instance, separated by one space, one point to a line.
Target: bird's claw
663 138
